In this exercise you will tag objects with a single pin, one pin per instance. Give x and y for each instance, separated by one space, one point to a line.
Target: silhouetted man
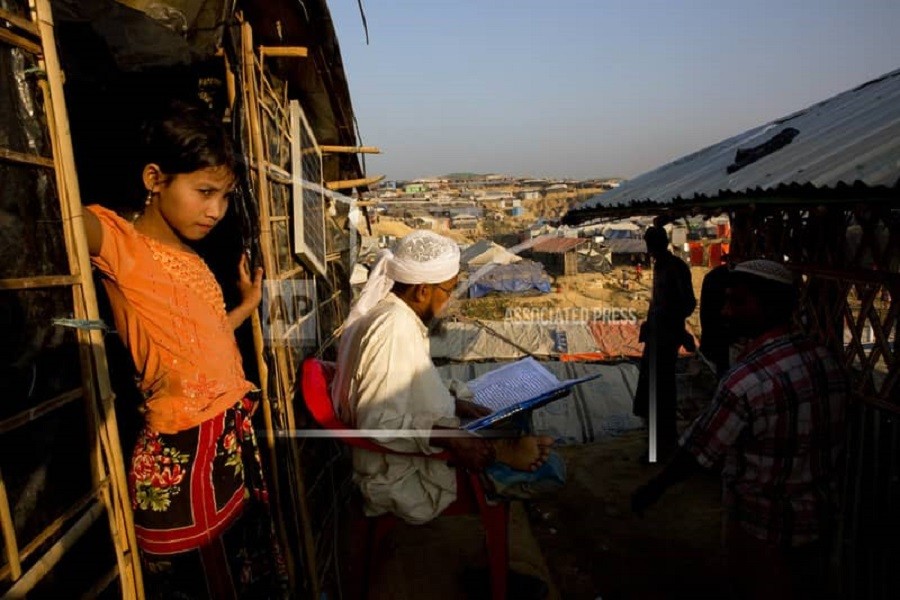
715 339
671 302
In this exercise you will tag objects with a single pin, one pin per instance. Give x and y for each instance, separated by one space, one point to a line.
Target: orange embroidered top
169 310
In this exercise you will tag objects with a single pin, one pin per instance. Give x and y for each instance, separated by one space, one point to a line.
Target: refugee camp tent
519 276
486 252
627 251
621 230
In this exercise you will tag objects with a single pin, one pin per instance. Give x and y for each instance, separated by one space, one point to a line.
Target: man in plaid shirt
775 430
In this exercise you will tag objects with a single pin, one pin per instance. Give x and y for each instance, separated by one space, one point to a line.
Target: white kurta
385 380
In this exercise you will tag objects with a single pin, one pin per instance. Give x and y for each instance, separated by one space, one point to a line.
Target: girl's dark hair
185 137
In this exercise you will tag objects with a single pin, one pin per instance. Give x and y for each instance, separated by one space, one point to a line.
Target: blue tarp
516 277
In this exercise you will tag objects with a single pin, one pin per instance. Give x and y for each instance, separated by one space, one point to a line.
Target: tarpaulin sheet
516 277
618 339
471 342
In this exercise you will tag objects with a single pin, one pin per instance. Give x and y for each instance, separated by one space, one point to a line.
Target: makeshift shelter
521 276
818 190
274 73
621 230
627 251
485 252
595 260
558 255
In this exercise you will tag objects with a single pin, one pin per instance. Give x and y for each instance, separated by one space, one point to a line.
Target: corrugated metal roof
559 245
853 137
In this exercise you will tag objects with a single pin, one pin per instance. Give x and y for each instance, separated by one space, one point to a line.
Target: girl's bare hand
249 287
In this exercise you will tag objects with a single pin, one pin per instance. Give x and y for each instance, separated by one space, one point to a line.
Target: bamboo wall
847 254
310 477
63 494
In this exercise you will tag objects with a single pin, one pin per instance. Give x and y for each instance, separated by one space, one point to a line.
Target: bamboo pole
283 52
41 281
17 40
119 508
27 159
49 560
20 22
10 545
36 412
350 149
352 183
266 86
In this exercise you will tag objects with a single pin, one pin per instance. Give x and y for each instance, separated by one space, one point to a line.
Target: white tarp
469 341
486 252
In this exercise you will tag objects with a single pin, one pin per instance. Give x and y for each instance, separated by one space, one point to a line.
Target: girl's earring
149 198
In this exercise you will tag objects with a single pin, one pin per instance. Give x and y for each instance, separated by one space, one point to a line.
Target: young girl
195 482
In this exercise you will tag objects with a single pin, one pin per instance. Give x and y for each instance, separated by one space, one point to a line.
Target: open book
516 387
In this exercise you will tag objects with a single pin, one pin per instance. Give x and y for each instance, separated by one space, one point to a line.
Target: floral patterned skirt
201 512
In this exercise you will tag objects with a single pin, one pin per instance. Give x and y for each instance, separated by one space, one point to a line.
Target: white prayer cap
419 257
766 269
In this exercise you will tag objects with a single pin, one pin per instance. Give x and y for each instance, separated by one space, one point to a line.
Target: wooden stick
17 40
229 80
291 273
28 159
36 412
20 22
352 183
351 149
283 51
46 563
42 281
10 545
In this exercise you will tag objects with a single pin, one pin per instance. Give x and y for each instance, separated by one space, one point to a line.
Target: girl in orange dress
196 487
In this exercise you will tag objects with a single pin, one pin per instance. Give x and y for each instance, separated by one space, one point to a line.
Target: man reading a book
385 380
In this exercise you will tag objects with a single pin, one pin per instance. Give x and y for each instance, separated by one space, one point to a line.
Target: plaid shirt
775 427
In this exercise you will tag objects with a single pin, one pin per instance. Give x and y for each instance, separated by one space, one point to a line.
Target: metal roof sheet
851 138
558 245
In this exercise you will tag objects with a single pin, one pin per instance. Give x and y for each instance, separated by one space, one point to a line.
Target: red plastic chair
316 391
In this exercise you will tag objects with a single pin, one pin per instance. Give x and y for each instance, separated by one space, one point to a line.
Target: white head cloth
419 257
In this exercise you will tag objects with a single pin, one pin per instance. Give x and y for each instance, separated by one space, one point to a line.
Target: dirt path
597 548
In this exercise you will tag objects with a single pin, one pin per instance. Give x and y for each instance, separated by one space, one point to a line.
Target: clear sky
591 88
